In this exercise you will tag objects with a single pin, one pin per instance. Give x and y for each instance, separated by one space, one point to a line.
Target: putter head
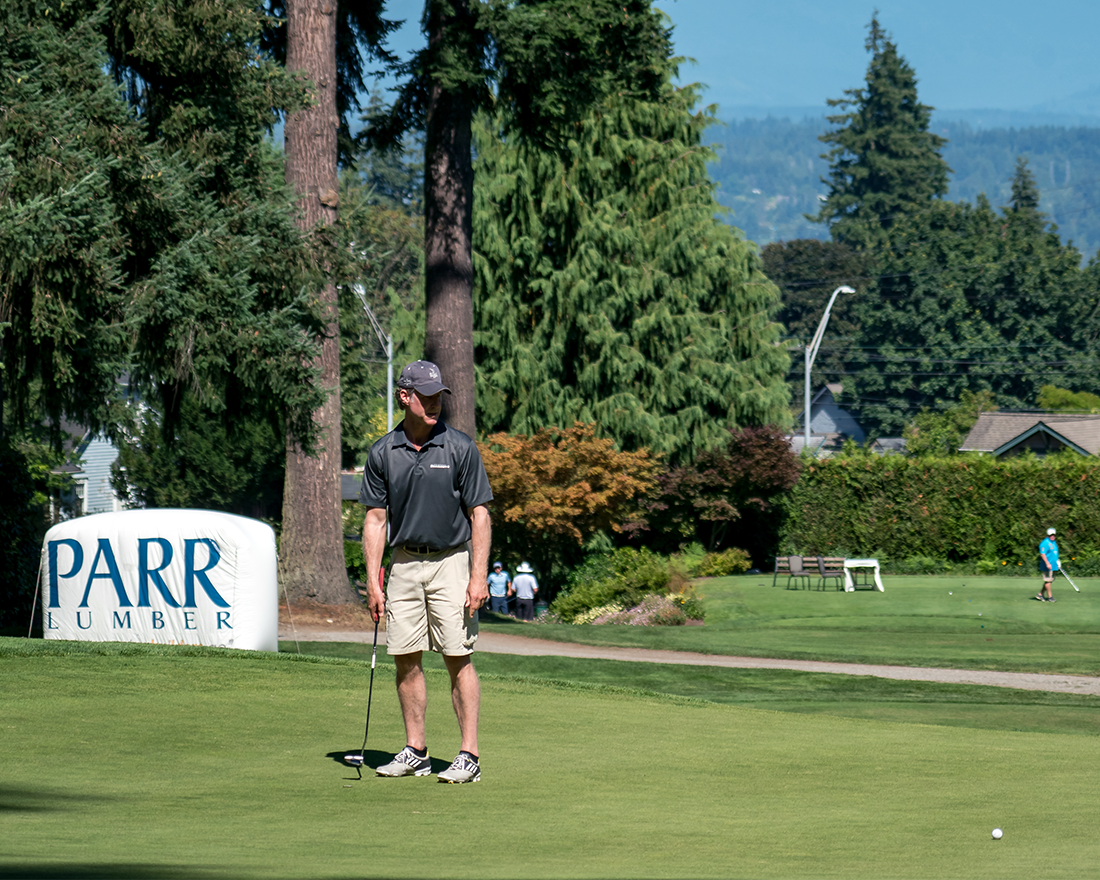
353 760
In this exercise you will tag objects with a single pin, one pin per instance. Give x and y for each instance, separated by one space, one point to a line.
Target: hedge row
960 508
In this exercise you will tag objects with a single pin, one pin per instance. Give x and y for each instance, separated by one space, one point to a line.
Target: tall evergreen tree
608 293
69 149
884 162
147 229
544 60
165 245
969 299
311 553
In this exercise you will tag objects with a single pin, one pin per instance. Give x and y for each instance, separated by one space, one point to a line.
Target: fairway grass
951 622
852 696
127 761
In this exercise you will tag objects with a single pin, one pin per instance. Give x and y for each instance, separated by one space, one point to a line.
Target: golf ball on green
997 832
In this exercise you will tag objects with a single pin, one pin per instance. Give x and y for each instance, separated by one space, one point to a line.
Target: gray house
830 424
91 475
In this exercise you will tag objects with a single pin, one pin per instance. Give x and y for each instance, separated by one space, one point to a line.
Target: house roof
996 432
889 445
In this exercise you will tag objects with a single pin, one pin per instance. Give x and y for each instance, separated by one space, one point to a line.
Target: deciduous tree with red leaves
719 499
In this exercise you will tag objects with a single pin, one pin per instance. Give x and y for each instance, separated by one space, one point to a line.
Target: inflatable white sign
170 577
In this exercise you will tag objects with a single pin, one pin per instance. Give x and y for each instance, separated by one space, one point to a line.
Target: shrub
962 507
353 559
692 605
653 611
689 558
352 517
921 565
624 577
727 562
736 486
554 491
592 615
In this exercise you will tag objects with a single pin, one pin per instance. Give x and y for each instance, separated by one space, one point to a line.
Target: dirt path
357 628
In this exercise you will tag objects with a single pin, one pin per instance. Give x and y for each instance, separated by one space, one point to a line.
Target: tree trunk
448 232
311 559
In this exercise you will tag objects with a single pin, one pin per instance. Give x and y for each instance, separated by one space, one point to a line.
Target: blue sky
968 54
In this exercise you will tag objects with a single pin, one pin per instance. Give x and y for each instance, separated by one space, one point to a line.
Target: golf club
353 759
1068 578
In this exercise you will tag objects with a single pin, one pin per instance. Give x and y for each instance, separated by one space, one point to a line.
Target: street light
387 347
811 353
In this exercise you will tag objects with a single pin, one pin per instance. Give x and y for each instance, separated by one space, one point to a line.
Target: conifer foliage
884 160
152 237
547 62
608 293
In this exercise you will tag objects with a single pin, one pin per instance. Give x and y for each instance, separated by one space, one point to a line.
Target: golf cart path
500 643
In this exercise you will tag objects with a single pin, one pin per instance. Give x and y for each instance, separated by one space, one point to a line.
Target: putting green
140 762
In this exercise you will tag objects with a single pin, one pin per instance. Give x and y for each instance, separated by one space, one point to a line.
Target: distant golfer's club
1068 578
353 759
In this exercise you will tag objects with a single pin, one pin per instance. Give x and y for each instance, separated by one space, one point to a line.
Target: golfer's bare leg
466 697
412 693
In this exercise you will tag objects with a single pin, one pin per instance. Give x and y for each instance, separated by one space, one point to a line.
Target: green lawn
137 761
781 690
972 623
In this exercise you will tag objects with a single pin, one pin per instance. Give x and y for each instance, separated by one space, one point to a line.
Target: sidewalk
499 643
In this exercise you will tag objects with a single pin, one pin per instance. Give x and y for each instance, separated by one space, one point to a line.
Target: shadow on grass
374 758
19 800
109 871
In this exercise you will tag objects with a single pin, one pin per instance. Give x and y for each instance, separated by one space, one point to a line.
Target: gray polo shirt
426 493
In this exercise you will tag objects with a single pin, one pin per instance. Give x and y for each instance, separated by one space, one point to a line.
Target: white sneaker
462 769
406 763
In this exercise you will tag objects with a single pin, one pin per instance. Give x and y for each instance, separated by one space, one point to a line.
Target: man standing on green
1048 564
428 481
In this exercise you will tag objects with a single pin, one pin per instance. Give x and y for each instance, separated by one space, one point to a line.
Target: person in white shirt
525 587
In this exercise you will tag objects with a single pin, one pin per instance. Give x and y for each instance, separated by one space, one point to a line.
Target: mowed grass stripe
962 623
211 765
855 696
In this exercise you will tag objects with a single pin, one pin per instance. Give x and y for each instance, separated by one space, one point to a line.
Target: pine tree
884 161
608 293
970 300
67 146
165 247
544 60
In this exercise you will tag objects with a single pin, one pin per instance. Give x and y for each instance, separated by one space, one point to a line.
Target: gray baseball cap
422 376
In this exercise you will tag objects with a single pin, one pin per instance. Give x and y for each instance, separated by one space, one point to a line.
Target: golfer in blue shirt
1048 564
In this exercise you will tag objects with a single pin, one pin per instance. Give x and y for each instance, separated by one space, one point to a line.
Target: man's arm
374 544
478 590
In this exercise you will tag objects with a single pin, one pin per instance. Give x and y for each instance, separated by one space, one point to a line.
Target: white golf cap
1051 531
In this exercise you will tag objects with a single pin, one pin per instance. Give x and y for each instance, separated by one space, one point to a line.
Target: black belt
423 549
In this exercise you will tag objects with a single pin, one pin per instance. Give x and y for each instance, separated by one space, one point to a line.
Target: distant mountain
769 170
1087 102
1077 110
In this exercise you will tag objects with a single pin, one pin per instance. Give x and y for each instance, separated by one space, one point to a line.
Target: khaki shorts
425 604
